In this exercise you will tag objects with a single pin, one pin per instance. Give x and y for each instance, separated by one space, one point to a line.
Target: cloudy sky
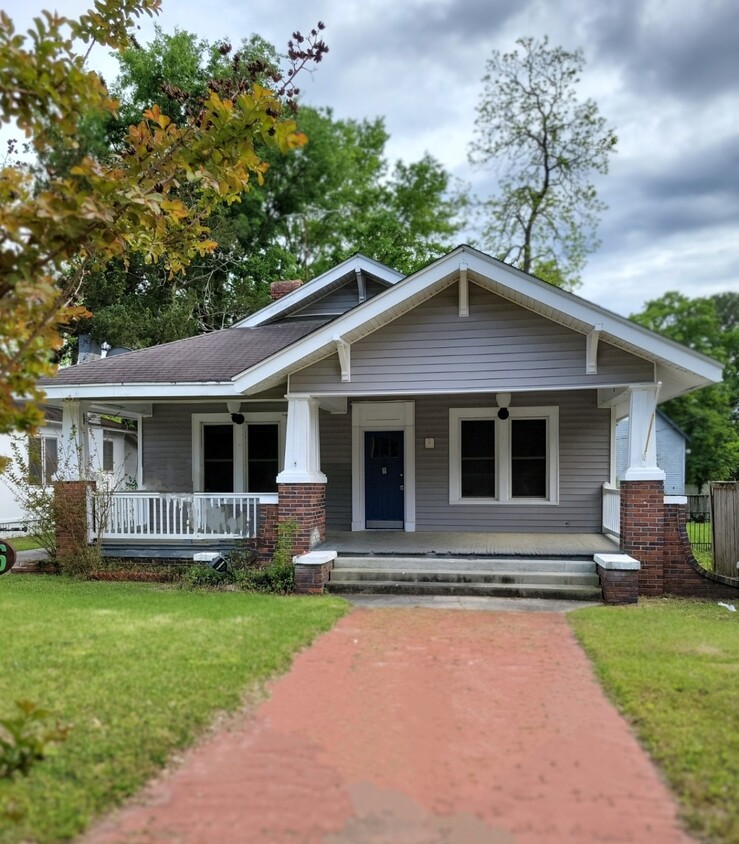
665 74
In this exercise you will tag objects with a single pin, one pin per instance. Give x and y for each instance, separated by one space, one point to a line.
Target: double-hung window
511 460
43 460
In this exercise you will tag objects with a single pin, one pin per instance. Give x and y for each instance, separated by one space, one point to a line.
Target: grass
672 667
138 670
699 533
23 543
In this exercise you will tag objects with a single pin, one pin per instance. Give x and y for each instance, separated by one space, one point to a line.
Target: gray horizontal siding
167 442
500 346
339 300
584 456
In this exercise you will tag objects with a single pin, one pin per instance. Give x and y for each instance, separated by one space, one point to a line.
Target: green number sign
7 557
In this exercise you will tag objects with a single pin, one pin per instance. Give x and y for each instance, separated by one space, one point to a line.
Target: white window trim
199 420
503 456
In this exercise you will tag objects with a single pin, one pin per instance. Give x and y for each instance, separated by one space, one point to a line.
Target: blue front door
383 479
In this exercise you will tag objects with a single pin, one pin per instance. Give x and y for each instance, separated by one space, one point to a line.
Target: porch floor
475 544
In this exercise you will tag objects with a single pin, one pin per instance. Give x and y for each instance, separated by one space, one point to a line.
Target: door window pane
478 458
218 458
529 458
262 458
51 459
107 455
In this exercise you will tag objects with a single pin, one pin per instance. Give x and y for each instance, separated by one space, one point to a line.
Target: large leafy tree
710 416
329 198
147 200
545 144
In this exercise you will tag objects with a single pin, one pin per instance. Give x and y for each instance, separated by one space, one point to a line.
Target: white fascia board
106 392
381 309
369 315
573 306
310 288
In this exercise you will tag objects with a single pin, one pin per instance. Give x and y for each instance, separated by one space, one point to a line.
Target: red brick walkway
408 726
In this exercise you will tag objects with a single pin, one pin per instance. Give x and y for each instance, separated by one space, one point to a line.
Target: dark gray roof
217 356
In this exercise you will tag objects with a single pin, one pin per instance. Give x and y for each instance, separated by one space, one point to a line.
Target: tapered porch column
71 492
301 485
642 492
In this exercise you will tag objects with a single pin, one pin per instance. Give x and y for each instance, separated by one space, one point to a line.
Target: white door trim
383 416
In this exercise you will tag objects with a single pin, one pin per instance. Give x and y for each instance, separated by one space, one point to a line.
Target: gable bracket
464 292
361 286
344 351
591 349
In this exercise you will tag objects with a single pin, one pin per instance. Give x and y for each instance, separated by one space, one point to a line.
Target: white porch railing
177 515
611 510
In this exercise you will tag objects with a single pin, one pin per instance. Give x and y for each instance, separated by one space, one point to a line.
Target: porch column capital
302 443
642 444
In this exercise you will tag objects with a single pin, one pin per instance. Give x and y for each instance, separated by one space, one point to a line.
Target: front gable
499 345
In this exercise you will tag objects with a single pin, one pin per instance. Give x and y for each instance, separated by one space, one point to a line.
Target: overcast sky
665 74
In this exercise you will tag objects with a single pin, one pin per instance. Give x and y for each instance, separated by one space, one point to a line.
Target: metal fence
700 529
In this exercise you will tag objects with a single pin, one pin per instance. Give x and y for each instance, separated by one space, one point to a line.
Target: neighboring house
468 396
112 454
672 444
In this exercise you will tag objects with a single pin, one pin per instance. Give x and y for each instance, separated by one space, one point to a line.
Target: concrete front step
510 590
551 578
573 579
465 564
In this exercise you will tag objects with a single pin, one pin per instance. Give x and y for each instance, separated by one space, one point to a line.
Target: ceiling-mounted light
233 408
503 400
237 418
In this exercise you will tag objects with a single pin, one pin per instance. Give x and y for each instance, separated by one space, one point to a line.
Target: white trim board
383 416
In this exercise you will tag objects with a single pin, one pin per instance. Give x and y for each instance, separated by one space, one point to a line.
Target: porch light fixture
233 408
503 400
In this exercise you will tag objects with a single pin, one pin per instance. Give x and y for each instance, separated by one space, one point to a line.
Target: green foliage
200 576
27 738
140 670
670 666
709 416
330 198
78 209
83 564
545 144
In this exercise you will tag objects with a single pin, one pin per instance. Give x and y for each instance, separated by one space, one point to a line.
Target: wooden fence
725 511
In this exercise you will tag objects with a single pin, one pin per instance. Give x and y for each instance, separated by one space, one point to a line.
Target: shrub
279 576
27 738
199 576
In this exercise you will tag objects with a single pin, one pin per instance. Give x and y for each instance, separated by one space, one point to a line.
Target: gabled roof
320 286
258 353
207 358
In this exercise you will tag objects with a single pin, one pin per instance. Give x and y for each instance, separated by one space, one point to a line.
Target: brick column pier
642 531
306 504
70 515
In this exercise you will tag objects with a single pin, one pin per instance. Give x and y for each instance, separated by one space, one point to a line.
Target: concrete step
510 590
552 578
465 564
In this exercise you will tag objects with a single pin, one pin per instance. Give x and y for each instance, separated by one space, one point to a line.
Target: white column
642 446
74 459
302 446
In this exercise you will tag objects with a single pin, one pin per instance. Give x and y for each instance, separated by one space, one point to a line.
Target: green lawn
23 543
138 670
672 666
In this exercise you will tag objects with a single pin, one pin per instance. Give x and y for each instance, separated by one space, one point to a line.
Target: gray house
672 444
467 397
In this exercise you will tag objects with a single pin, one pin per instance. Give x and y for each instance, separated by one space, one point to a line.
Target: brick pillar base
642 531
306 504
267 532
70 515
619 587
683 574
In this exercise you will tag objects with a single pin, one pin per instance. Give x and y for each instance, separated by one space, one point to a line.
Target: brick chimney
278 289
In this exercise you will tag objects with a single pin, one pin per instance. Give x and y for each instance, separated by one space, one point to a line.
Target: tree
331 197
149 199
709 416
546 145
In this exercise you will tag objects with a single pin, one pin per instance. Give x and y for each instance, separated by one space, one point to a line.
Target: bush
279 576
199 576
82 564
27 738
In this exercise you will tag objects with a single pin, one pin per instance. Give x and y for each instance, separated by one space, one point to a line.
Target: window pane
35 469
262 458
478 458
528 458
51 459
107 455
218 461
